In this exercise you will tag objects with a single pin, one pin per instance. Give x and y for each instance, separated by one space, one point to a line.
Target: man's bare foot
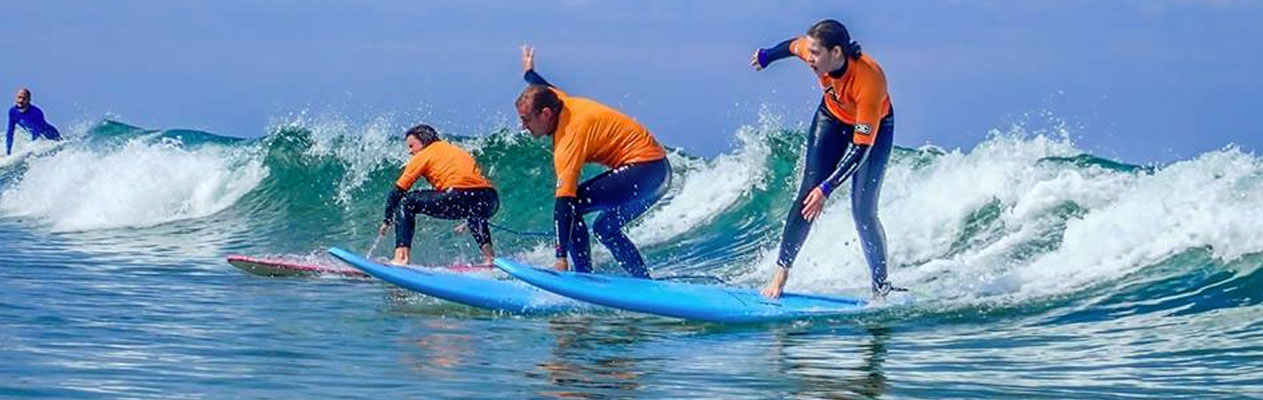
402 256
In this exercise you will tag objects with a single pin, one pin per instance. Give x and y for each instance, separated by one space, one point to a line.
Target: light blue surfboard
470 289
681 300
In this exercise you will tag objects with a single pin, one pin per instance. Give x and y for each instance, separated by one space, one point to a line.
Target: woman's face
823 60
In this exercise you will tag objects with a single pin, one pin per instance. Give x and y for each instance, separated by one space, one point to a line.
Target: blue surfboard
474 290
681 300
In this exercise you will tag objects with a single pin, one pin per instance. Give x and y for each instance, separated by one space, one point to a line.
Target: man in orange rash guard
460 192
851 136
586 131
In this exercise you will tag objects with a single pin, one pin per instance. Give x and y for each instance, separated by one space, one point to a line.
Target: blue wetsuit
33 121
621 195
832 158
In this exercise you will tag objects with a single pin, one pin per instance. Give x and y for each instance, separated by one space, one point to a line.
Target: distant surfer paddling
460 192
30 118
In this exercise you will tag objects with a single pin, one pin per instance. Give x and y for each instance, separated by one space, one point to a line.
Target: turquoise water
1040 272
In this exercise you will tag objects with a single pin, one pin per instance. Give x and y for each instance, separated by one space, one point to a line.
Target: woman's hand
754 60
813 205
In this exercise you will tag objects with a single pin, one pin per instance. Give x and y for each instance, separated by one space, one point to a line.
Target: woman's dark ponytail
853 50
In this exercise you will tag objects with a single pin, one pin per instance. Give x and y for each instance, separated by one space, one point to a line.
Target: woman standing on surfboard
460 192
851 135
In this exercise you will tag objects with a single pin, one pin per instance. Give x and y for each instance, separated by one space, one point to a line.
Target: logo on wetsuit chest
863 129
833 94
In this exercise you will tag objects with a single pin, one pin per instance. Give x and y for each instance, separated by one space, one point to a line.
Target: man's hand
561 265
528 58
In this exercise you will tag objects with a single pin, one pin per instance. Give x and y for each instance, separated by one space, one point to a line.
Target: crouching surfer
460 192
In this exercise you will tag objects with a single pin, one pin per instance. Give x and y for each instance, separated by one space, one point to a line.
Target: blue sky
1139 81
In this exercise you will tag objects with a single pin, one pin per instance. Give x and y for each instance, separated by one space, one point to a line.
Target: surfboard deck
281 267
691 301
477 290
285 268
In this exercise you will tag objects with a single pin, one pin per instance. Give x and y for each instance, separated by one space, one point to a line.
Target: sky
1145 82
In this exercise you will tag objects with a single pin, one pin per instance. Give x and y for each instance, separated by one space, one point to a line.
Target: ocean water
1040 271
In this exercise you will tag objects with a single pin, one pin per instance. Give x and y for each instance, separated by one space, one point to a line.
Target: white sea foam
141 183
704 189
1057 228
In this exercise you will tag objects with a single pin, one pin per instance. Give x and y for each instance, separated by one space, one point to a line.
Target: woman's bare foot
777 284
